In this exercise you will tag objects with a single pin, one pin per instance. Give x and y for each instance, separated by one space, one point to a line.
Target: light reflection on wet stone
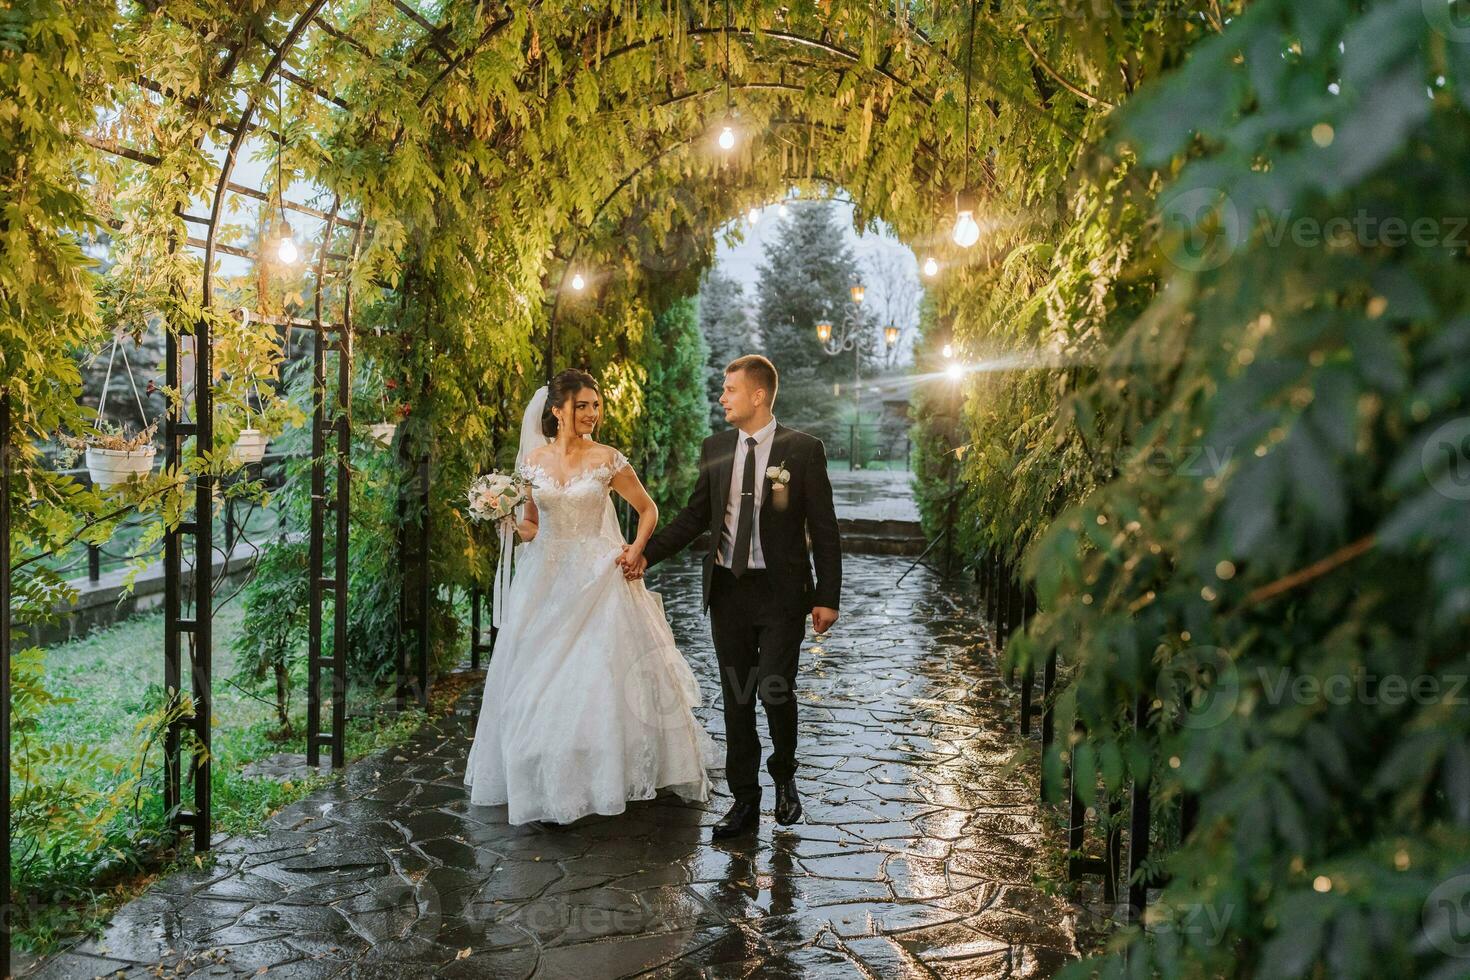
916 860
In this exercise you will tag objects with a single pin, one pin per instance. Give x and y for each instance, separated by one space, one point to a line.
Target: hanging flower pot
382 432
110 467
249 447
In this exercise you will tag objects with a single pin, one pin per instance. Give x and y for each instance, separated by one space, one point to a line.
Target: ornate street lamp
849 335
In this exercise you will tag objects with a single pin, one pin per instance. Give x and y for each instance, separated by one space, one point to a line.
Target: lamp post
851 334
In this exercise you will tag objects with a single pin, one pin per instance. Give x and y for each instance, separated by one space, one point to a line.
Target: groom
762 489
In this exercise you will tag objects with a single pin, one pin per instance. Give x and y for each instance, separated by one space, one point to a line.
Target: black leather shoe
788 804
741 818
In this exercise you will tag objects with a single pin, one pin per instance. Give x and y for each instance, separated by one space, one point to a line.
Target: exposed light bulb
754 216
578 283
782 209
931 267
286 251
966 231
727 138
948 352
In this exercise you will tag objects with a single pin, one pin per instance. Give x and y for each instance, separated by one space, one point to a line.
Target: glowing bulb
931 267
754 215
955 371
286 250
727 138
890 335
966 231
948 352
824 331
578 283
857 292
782 210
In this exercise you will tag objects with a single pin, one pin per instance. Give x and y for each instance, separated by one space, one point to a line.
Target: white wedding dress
588 703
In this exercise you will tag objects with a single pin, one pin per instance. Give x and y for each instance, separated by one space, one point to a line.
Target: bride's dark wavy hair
564 386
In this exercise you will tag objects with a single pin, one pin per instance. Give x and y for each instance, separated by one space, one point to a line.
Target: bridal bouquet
495 496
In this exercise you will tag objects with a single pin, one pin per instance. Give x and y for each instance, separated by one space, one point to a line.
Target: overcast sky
742 261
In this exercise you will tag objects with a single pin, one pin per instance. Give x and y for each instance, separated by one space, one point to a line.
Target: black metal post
1138 826
425 583
1048 721
1188 815
340 569
203 645
316 546
1077 863
94 563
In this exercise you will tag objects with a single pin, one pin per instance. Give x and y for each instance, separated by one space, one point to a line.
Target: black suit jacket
783 532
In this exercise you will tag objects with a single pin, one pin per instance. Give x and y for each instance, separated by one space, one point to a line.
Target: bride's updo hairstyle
562 389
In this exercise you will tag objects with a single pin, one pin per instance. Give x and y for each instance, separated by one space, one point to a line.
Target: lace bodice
571 510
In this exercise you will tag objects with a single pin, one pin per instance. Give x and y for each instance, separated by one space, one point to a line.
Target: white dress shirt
763 437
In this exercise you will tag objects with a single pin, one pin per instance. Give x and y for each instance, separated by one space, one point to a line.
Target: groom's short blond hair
761 371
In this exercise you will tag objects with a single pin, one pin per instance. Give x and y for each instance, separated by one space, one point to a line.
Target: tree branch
1317 569
1076 90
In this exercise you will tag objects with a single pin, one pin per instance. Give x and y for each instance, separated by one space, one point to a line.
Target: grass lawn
108 674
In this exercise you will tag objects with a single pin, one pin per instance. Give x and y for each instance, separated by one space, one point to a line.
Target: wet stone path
916 858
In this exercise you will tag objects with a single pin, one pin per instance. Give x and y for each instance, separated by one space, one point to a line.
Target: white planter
109 467
249 447
382 432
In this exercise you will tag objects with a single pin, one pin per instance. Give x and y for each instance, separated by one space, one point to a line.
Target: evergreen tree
725 324
675 420
804 278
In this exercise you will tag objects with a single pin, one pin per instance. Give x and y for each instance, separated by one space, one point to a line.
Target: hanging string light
286 249
931 267
727 132
578 283
966 231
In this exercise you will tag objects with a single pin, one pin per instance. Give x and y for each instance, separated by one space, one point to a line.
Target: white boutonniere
779 476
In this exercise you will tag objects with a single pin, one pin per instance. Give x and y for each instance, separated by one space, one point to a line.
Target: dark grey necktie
746 520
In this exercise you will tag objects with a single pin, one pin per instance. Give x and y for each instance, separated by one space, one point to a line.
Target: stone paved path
916 859
874 495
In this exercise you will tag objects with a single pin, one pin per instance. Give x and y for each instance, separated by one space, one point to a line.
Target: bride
588 703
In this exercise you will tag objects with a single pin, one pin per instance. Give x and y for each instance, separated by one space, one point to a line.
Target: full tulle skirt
588 702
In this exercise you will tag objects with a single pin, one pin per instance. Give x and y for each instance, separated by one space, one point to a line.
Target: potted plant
116 456
249 446
382 432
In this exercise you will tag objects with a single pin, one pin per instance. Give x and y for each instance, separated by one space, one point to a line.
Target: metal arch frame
202 428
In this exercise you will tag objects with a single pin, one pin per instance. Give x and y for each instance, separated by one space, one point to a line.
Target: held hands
632 562
823 618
